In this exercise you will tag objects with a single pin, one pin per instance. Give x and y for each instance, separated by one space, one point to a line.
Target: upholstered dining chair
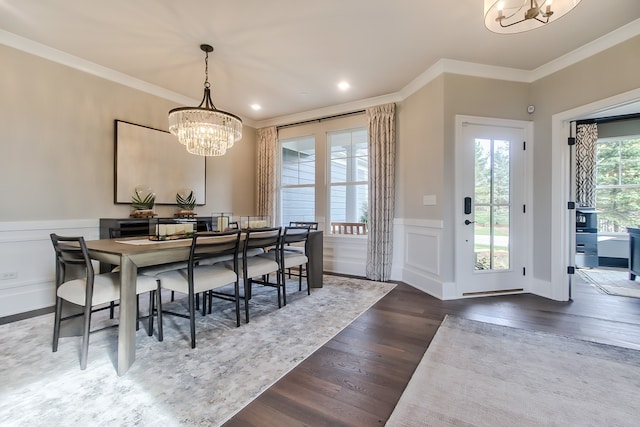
90 290
204 277
300 247
289 258
256 269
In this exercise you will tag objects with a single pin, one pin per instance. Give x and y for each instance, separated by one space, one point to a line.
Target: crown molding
622 34
442 66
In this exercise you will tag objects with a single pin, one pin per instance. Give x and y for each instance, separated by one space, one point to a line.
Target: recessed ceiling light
343 85
256 107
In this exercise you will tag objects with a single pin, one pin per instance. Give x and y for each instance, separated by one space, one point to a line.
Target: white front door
491 228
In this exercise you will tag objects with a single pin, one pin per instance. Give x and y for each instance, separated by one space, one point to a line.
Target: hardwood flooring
357 378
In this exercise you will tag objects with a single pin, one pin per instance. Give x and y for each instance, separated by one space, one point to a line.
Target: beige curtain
265 171
382 153
586 140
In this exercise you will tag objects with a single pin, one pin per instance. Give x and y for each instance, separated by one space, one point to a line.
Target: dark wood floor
357 378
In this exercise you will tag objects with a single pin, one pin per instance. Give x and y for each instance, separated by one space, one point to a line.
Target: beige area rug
171 384
480 374
611 281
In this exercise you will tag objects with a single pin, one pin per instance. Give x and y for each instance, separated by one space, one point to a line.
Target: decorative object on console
517 16
245 222
222 221
142 202
186 202
205 130
173 231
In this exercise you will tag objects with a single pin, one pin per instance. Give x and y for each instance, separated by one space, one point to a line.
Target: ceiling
289 55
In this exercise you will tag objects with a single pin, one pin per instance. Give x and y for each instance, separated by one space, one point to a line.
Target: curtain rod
609 119
336 116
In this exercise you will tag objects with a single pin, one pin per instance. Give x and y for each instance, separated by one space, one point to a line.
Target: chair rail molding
27 269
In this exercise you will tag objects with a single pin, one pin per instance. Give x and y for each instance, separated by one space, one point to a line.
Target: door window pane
492 199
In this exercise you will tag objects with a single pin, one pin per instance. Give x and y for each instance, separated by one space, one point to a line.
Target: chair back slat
262 238
73 251
212 244
295 235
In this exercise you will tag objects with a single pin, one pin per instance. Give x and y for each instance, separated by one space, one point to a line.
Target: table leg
128 315
315 247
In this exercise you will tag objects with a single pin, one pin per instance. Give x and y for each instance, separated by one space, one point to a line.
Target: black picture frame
144 156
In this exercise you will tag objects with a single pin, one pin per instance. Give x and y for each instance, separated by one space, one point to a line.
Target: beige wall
599 77
57 147
426 135
426 140
420 152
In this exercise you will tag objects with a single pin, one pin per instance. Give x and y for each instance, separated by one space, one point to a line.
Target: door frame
527 127
563 219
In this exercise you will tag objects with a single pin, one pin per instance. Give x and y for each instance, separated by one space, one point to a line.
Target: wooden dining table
135 252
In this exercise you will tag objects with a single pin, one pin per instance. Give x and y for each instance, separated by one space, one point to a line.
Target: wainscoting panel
27 271
418 249
345 254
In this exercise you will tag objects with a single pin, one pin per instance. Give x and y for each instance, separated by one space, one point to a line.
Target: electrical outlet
9 275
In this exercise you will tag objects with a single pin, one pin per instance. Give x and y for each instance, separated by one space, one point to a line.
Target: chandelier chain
206 70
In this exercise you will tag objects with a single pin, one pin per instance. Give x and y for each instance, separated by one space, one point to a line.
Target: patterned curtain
586 139
265 172
382 154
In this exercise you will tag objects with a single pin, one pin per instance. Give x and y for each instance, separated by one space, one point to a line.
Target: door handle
467 222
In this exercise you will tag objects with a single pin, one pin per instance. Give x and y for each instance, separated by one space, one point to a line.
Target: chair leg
299 278
152 295
237 302
247 287
173 296
85 337
307 277
137 312
205 296
192 319
283 283
278 288
112 307
159 310
56 324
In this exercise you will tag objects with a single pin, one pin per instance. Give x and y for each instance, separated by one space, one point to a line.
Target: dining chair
288 258
300 247
204 278
90 290
257 269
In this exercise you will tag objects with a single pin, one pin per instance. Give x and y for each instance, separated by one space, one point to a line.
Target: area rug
480 374
171 384
611 281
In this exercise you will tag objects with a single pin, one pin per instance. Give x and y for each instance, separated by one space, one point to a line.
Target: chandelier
516 16
205 130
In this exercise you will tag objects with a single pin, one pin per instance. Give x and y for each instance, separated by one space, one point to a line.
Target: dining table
132 253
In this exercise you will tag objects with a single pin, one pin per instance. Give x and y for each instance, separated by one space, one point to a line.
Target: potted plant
142 202
186 203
